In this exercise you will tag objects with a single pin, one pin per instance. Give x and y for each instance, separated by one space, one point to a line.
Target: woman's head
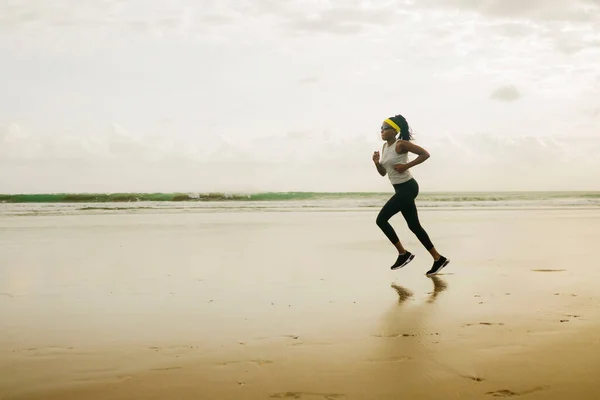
396 125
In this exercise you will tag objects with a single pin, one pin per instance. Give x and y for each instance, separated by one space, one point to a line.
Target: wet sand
298 305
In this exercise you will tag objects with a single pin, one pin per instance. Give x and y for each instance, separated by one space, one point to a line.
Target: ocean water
77 203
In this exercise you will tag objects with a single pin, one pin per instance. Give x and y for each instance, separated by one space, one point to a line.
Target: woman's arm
405 145
379 167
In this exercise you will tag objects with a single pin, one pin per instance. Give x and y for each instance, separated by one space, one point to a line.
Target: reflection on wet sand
439 285
408 333
403 293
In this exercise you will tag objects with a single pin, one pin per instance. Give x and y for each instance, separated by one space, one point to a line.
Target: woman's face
387 132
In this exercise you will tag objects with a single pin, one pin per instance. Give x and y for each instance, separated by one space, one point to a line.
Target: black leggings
403 201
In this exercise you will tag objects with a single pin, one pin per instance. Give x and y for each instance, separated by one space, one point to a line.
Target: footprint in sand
309 344
474 378
260 363
510 393
503 393
107 379
165 369
548 270
299 395
573 316
176 347
396 335
566 294
391 359
46 351
175 351
295 337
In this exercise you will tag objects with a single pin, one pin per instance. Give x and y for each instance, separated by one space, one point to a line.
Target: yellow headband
392 124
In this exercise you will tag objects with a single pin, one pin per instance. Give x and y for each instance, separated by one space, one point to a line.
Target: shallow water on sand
94 298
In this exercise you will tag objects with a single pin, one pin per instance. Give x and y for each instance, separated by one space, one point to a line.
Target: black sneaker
438 266
402 260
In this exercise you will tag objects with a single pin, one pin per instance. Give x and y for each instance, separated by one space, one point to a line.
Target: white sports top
389 158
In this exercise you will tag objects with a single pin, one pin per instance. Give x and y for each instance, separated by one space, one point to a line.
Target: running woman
394 162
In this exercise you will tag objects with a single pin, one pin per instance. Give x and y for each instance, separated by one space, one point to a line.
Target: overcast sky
257 95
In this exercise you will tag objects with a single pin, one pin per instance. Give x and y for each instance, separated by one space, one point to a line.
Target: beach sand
299 305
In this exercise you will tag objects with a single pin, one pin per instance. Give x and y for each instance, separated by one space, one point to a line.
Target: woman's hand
376 157
406 146
400 168
379 167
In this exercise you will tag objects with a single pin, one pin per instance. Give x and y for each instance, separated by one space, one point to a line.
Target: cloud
303 160
101 19
508 93
186 18
341 19
348 17
309 80
571 26
513 29
573 41
536 10
594 112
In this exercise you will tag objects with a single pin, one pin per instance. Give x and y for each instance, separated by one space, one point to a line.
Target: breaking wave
284 196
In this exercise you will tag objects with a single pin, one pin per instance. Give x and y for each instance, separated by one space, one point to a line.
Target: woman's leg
411 215
390 208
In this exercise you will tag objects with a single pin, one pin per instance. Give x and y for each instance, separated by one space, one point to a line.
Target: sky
274 95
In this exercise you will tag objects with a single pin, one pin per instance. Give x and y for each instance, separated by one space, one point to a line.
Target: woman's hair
405 131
